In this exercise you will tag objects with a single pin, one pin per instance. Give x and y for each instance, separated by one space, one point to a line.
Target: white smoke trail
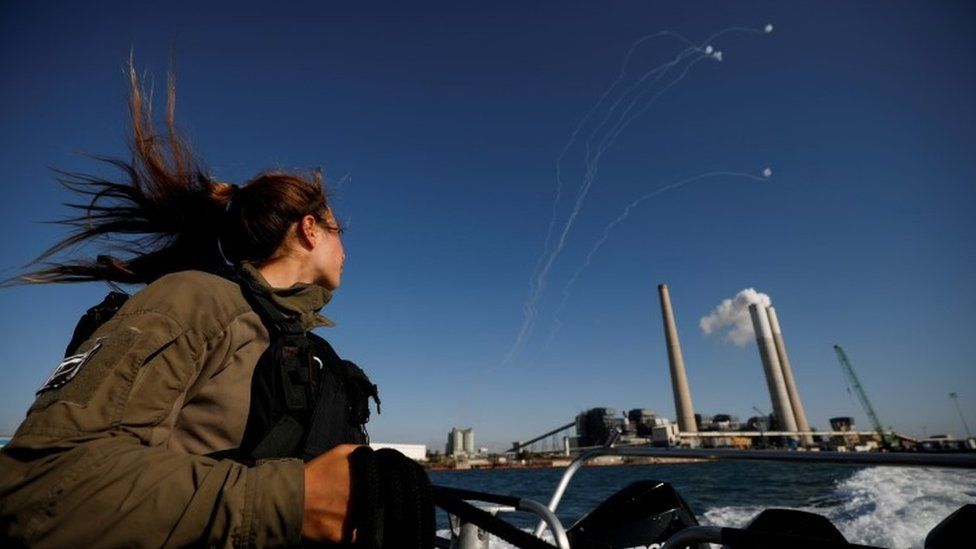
660 71
557 323
731 317
637 94
548 257
538 280
589 178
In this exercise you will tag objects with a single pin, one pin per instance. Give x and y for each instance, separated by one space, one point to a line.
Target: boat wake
885 506
891 507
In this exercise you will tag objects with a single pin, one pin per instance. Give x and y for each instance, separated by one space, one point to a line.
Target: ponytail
166 214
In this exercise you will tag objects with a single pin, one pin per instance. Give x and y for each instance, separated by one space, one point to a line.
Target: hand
327 487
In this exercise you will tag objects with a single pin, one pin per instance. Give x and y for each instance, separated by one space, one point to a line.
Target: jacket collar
302 300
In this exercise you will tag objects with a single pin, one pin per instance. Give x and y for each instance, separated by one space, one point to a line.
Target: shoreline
605 461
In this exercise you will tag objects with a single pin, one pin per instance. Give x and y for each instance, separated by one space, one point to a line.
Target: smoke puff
731 317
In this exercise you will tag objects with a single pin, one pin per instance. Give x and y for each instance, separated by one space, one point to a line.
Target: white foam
887 506
498 543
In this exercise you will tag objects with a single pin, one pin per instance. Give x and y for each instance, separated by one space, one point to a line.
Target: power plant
786 426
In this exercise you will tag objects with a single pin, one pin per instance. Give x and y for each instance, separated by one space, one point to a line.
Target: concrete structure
416 452
784 362
460 441
679 381
665 435
782 410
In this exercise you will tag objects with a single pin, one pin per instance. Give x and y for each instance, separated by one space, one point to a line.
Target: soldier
190 413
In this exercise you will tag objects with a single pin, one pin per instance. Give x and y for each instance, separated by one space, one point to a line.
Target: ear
306 230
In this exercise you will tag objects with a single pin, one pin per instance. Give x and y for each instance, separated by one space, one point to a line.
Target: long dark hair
166 214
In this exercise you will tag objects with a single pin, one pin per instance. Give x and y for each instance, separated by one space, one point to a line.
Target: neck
284 272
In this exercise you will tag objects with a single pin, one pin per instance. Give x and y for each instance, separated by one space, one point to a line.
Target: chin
329 285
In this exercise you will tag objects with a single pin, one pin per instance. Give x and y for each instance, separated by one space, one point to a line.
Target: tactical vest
305 399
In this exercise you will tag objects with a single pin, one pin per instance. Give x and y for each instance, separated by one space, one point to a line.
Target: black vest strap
305 399
289 345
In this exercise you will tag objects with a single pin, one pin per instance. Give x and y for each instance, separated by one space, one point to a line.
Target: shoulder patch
68 369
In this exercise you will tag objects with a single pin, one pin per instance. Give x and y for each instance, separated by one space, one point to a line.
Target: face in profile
328 254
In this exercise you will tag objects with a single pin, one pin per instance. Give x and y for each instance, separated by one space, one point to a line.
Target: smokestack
679 381
784 362
782 410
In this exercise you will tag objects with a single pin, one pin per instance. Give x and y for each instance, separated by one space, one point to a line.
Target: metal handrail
549 519
526 505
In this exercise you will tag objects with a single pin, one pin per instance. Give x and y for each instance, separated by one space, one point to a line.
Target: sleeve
87 468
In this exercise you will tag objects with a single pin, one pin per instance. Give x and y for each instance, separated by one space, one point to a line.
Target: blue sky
439 126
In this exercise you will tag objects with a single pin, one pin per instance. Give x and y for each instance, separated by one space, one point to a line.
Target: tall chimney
784 362
679 381
782 410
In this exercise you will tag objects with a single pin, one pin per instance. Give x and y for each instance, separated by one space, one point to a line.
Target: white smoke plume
731 317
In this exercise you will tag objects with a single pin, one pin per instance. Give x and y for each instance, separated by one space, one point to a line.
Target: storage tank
455 442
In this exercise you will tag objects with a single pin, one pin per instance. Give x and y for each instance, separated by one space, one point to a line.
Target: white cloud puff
731 317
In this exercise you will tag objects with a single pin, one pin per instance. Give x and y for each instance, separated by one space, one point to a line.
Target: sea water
882 506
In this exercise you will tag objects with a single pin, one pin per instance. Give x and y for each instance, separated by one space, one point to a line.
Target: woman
123 444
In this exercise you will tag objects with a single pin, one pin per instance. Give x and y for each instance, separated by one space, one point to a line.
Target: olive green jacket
116 456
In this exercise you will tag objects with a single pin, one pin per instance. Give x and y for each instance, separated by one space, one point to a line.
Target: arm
89 466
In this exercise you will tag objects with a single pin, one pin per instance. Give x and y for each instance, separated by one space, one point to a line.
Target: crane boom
861 395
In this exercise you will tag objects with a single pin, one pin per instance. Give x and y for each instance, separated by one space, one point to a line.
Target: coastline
604 461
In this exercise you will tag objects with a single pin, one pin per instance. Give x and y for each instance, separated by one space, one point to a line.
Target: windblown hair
166 214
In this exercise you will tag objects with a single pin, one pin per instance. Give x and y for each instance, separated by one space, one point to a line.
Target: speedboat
652 514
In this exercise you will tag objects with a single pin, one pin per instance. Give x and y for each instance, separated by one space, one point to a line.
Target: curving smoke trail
635 97
557 323
540 278
537 282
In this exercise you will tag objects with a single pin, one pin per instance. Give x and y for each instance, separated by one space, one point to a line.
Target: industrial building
416 452
460 441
